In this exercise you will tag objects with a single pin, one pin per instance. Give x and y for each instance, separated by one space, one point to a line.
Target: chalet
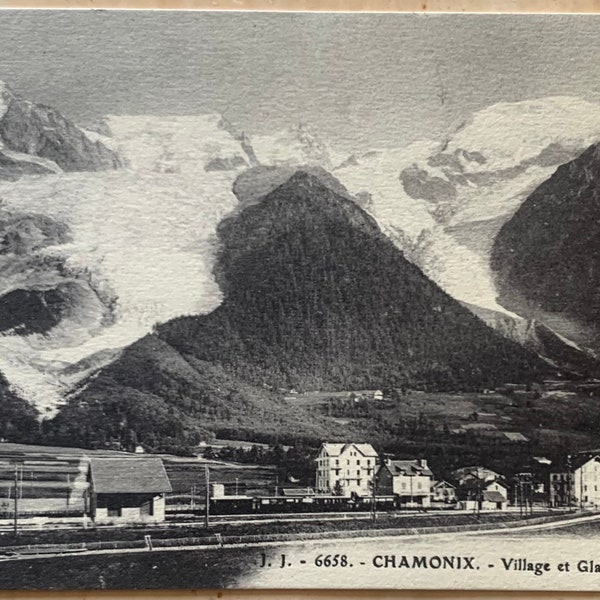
480 488
127 490
443 491
345 468
466 474
483 495
409 480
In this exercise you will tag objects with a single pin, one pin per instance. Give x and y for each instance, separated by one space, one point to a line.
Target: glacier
144 236
142 242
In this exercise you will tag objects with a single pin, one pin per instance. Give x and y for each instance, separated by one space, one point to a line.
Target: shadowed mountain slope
315 298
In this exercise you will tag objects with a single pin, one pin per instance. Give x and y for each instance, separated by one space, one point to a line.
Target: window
114 508
368 462
358 473
358 462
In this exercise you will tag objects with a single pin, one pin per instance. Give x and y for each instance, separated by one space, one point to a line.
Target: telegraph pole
16 515
581 488
207 509
569 477
374 495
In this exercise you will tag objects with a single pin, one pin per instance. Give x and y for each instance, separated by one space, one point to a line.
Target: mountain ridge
315 297
38 139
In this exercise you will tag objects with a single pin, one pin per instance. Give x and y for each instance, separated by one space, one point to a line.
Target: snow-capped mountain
92 261
296 145
36 139
105 256
444 202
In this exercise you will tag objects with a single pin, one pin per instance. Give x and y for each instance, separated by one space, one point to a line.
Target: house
127 490
466 474
409 480
479 488
577 483
443 491
483 495
345 468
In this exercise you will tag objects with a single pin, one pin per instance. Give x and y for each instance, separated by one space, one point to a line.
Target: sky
362 80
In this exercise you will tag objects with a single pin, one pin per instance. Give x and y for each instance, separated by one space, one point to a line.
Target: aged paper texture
299 300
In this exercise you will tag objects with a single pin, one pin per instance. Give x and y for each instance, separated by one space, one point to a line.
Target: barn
127 490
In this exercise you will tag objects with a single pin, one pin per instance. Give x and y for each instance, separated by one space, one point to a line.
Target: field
221 567
502 431
150 570
583 531
251 479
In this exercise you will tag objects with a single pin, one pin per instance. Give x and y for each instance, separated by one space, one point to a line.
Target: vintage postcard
299 300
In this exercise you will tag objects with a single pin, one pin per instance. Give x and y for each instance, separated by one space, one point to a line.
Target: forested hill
315 297
547 255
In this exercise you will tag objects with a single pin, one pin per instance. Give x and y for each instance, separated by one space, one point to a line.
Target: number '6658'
331 560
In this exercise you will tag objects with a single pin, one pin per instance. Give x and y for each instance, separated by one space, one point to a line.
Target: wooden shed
127 490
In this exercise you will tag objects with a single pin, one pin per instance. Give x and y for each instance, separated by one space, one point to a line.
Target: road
371 539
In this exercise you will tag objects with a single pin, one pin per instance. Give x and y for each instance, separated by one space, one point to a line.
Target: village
41 491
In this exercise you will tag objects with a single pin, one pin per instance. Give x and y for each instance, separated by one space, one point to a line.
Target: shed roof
129 476
443 484
493 497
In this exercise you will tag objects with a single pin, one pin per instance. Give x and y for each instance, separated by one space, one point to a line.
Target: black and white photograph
299 300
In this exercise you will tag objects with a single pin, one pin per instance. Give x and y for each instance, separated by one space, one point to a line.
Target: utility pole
569 477
207 510
374 495
581 488
16 496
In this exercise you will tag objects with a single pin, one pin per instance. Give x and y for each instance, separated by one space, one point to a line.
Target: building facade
345 469
127 490
409 480
577 484
443 491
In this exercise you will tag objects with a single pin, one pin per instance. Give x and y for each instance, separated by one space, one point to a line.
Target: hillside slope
315 297
547 257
